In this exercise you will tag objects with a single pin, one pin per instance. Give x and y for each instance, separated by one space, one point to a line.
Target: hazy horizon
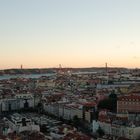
74 33
69 67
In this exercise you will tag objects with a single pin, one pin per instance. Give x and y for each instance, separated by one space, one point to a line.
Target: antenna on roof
106 67
60 66
21 67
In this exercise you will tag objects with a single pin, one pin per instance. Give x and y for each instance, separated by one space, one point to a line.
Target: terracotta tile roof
129 97
89 104
76 136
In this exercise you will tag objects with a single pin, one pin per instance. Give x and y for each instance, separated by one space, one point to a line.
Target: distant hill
53 70
26 71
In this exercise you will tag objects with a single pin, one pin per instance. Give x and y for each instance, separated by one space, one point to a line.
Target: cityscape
69 70
66 104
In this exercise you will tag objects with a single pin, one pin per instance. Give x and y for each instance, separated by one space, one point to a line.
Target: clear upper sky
74 33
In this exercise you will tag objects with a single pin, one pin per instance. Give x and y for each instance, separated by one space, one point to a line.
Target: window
23 122
130 132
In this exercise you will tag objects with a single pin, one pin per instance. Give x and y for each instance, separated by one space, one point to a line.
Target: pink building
128 103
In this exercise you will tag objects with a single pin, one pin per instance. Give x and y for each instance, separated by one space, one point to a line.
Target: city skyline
75 33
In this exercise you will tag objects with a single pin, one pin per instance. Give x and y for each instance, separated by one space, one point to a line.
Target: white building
15 104
66 111
95 126
117 129
19 123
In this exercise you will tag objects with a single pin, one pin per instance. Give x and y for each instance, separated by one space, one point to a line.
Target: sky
73 33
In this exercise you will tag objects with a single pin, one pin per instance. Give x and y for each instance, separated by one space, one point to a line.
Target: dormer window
23 122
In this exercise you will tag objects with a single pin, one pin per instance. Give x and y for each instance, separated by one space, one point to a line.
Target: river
6 77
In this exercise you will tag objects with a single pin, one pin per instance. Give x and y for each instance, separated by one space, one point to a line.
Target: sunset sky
73 33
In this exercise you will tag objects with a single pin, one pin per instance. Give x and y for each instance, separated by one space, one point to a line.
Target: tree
110 104
100 132
39 107
113 95
76 121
